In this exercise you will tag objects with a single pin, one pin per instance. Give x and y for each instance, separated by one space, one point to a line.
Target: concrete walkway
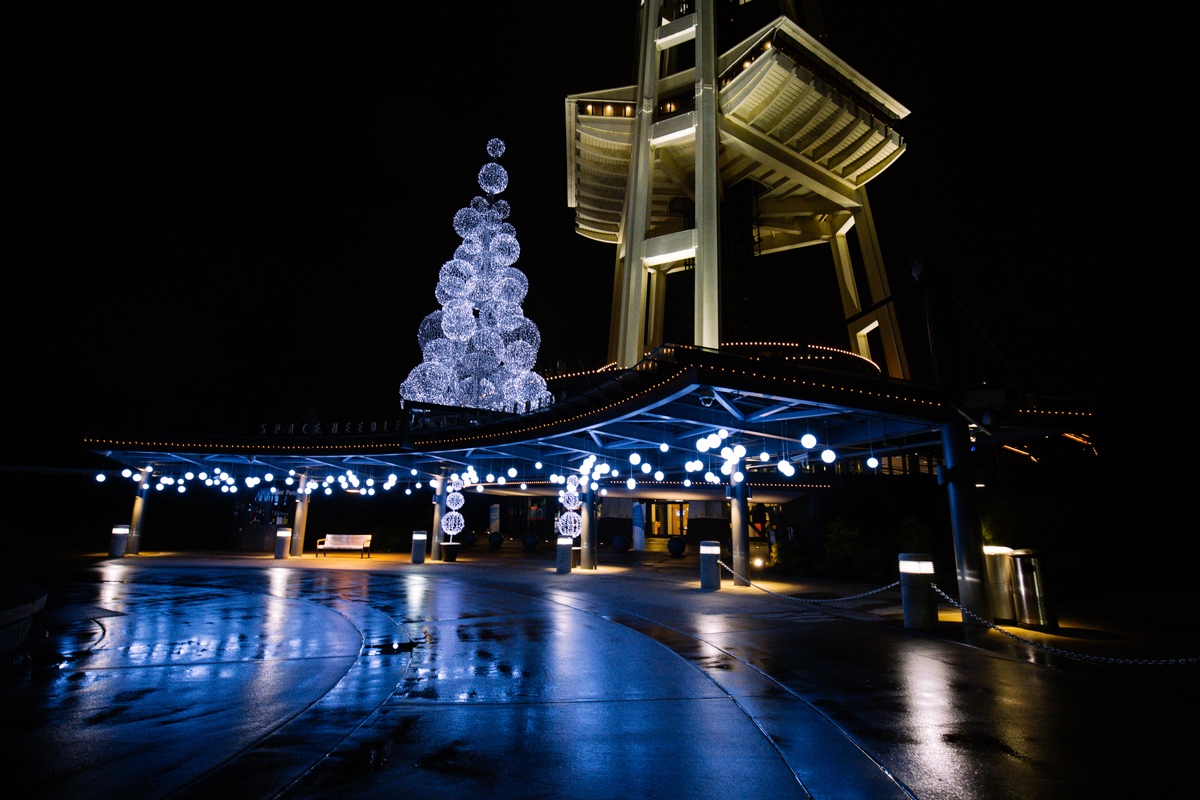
193 676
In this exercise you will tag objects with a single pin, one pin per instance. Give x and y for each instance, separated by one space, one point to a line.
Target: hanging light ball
646 468
512 472
738 477
664 447
702 445
828 456
537 465
630 484
739 451
100 477
658 476
764 456
808 440
495 149
713 440
125 473
635 459
873 462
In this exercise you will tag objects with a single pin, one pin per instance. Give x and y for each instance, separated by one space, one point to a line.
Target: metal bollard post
710 570
916 594
418 553
566 547
283 538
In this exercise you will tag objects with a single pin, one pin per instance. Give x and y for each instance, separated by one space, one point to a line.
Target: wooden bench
346 541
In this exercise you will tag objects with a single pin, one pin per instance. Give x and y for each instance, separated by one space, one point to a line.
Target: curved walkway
196 677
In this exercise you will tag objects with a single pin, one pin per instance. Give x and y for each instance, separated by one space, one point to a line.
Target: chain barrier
977 618
1059 651
803 599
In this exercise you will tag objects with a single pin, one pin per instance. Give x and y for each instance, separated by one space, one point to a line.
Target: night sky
222 220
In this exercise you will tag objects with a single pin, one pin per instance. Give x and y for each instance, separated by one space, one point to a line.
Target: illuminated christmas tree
479 348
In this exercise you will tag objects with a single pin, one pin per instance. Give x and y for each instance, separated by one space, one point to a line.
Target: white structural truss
779 109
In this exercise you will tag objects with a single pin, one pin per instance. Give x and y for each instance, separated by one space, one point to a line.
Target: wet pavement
495 677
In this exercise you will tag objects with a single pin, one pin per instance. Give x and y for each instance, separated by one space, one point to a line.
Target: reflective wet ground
202 677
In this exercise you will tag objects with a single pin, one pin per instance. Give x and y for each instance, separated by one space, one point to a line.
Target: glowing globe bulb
491 478
635 459
604 492
413 472
181 488
595 486
658 476
726 468
537 465
630 483
664 447
727 453
523 487
418 484
808 440
873 462
723 433
614 473
713 440
687 481
289 482
646 468
268 477
738 477
500 480
328 490
370 481
408 491
702 445
125 473
828 456
739 451
100 477
479 487
512 472
783 465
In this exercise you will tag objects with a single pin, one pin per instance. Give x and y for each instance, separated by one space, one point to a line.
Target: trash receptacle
118 541
998 563
283 539
1031 592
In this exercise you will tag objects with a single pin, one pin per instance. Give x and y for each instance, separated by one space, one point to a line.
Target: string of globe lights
349 481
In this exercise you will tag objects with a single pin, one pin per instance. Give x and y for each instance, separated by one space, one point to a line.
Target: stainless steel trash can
1031 591
998 563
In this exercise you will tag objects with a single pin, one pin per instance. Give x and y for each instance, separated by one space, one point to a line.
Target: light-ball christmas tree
478 350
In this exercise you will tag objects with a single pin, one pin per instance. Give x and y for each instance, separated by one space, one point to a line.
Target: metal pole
134 545
739 523
301 521
959 473
439 511
587 534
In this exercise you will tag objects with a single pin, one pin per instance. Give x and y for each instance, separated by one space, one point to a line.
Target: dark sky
225 219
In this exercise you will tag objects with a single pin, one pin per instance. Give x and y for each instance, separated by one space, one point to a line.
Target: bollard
566 554
118 541
418 553
710 570
283 538
916 594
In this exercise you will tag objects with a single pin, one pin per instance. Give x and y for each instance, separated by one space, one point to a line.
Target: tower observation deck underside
808 143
